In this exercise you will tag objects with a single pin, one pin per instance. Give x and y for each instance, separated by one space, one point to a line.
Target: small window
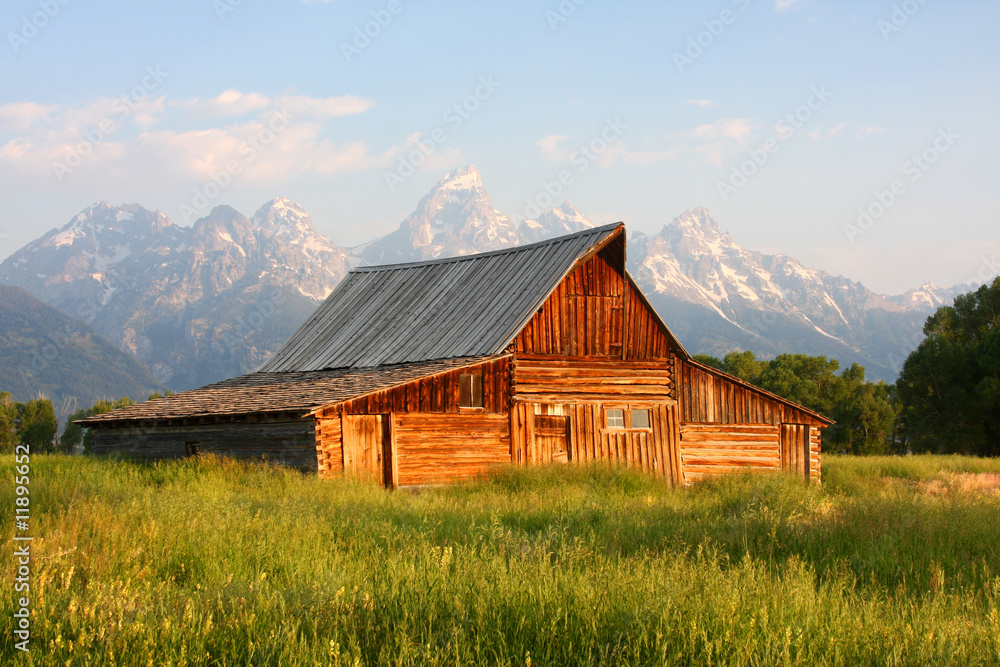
639 418
191 448
616 418
470 390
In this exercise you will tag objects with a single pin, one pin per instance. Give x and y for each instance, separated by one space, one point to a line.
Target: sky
859 137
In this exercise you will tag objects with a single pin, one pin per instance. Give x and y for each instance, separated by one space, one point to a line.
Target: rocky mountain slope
198 304
739 298
195 304
43 352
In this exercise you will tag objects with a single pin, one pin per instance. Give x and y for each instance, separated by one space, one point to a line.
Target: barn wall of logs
432 438
435 448
548 388
727 425
284 439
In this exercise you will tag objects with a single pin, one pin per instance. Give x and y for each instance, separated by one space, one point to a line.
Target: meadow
892 561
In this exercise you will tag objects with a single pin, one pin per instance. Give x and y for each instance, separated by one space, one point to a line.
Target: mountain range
202 303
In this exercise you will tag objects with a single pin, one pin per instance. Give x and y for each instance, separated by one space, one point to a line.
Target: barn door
795 449
552 437
368 447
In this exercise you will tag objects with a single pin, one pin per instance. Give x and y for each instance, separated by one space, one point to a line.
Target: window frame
476 381
626 424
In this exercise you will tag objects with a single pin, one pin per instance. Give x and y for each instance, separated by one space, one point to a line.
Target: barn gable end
431 372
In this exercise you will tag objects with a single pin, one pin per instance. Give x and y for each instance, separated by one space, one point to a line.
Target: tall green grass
892 561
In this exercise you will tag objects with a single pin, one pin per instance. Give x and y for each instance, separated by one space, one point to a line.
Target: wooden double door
368 451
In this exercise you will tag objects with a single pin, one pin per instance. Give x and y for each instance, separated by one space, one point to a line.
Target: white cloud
819 134
866 130
110 140
737 129
782 6
21 116
713 142
235 103
323 107
550 146
701 103
228 103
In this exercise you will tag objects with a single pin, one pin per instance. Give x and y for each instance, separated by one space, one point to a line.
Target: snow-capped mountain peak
563 219
929 297
466 178
456 217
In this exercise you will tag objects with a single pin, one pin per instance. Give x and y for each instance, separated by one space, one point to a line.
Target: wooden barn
430 372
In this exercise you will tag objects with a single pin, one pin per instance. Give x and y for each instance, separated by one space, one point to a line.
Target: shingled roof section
455 307
277 392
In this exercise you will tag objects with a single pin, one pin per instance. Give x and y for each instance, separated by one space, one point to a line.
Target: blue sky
150 101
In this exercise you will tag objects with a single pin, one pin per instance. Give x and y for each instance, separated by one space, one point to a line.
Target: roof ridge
465 258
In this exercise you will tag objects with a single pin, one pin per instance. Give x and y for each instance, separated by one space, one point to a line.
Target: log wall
329 447
708 449
287 440
443 448
553 379
455 442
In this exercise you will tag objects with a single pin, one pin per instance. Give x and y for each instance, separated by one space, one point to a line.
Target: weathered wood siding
707 397
582 317
436 448
644 338
553 379
727 425
437 393
329 447
708 449
287 440
433 439
595 312
654 449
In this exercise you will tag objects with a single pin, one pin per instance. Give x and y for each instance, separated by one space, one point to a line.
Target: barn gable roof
454 307
292 392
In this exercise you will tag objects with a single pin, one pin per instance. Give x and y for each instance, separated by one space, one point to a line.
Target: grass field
893 561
